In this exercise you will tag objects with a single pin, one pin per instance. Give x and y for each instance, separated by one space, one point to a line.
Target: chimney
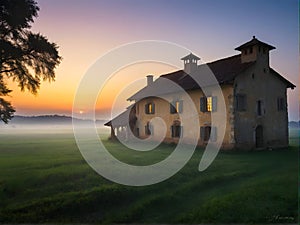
149 80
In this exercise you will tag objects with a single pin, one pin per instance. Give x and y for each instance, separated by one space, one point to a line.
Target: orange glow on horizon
58 96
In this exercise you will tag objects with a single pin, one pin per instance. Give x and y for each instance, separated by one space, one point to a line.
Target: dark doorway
259 137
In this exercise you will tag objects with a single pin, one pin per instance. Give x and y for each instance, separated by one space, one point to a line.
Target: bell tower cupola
255 50
190 63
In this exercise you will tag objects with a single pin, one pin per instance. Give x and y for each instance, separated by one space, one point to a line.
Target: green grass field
44 179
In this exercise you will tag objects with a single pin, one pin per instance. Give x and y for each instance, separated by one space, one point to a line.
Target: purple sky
84 30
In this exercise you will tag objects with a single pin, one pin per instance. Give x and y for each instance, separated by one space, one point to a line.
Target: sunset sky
85 30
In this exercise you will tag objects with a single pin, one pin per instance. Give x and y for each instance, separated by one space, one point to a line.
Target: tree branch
8 70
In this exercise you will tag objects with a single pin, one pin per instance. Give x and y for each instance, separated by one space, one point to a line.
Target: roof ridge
223 59
171 73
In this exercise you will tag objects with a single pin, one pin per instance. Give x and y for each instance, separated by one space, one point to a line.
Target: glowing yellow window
177 105
150 108
209 104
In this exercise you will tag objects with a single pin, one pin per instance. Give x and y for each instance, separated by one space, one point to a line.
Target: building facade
254 94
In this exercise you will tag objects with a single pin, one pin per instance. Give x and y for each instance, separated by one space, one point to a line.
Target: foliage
26 57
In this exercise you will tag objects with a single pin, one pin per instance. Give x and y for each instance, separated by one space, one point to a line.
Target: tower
255 50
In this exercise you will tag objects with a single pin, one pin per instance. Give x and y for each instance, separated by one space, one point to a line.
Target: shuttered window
203 104
149 129
208 104
150 108
176 131
208 133
176 107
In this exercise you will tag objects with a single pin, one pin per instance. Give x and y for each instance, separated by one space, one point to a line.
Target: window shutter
180 106
214 103
146 109
202 133
203 104
172 131
153 108
151 129
172 108
213 134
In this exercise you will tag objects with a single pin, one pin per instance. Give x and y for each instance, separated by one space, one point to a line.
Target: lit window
209 104
150 108
176 107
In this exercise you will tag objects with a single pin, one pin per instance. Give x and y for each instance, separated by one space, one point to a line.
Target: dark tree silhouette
26 57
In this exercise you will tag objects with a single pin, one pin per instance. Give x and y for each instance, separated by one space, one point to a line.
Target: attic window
259 49
245 52
250 50
252 75
264 50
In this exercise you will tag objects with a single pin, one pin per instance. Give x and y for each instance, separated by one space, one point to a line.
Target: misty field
43 178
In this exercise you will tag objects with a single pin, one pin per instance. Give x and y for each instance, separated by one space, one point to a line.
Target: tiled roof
253 42
289 84
225 70
121 119
190 56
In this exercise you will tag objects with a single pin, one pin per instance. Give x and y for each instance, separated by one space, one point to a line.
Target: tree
26 57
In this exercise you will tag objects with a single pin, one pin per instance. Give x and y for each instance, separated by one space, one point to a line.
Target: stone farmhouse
255 97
